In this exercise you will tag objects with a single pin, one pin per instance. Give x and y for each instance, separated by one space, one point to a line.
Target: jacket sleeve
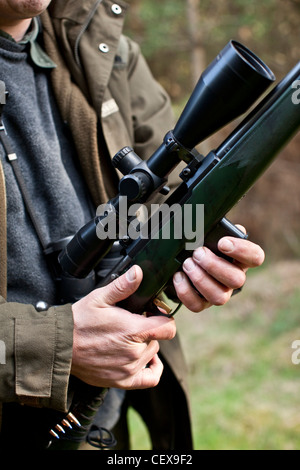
35 355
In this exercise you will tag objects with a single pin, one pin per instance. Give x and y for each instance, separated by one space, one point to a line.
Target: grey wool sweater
48 163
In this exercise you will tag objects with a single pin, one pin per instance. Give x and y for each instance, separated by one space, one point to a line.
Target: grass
244 386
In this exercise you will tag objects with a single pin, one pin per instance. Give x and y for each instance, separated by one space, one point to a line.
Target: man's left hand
213 277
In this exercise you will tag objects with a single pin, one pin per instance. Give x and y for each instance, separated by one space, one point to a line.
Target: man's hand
113 347
214 277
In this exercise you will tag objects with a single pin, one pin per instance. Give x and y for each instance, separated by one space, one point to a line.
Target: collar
5 35
37 54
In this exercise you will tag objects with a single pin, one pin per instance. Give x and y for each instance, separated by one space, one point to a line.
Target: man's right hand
113 347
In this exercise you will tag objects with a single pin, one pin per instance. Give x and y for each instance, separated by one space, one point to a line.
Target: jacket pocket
34 354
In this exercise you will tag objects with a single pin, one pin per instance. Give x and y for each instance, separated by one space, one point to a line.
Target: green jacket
100 77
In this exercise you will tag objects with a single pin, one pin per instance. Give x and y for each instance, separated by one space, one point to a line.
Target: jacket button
104 47
116 9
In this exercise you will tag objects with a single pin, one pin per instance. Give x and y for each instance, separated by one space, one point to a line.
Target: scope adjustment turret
125 160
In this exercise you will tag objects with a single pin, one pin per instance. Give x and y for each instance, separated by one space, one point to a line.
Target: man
78 92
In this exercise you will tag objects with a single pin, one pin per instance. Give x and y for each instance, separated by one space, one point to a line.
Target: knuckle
130 369
258 257
210 261
173 332
156 347
182 291
132 356
120 285
196 307
199 278
153 347
238 280
222 298
185 300
170 331
155 381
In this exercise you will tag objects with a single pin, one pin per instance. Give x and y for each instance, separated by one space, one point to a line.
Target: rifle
225 91
227 88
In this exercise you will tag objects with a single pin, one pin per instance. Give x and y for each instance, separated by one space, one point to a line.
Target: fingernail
178 277
131 274
226 245
199 254
189 265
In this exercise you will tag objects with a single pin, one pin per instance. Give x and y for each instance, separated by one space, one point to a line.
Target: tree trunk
198 57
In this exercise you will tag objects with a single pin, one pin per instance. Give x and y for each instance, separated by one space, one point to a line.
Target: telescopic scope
227 89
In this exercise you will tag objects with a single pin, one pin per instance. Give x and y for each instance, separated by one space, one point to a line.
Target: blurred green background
244 386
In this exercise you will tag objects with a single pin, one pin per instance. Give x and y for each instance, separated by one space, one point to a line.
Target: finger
121 288
155 328
213 291
228 274
241 228
237 263
149 376
245 252
137 357
187 294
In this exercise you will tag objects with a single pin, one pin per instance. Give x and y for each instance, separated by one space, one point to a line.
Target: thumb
122 287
